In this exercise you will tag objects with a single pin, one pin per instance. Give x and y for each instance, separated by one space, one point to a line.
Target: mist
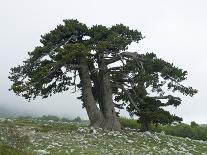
174 30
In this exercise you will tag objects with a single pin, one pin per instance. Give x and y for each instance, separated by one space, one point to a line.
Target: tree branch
133 55
127 93
163 97
72 66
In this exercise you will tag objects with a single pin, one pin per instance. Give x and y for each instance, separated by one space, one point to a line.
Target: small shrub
77 119
193 124
56 127
193 131
129 123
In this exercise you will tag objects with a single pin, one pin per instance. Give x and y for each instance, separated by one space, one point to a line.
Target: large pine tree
74 56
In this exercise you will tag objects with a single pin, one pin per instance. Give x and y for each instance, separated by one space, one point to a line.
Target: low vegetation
193 131
34 136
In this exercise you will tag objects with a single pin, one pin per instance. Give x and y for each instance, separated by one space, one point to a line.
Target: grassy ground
28 137
197 132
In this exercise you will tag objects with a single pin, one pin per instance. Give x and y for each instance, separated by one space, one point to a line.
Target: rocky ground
61 138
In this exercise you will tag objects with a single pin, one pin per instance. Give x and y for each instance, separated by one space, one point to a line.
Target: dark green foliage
180 129
43 77
77 119
129 123
155 77
73 45
66 46
184 130
193 124
49 117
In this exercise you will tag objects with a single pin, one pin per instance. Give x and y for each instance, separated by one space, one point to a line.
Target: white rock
130 141
147 133
41 152
162 133
156 137
9 120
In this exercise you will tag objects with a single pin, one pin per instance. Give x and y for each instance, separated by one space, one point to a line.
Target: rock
130 141
156 137
9 120
147 133
162 133
41 152
93 131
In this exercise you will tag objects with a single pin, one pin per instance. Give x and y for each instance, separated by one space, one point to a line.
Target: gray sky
175 30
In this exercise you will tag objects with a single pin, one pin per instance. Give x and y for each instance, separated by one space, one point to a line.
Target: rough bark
95 116
106 116
94 75
111 120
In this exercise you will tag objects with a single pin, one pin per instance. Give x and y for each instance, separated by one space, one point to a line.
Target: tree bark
108 110
95 116
106 116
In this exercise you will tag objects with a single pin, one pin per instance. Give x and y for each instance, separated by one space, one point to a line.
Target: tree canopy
74 56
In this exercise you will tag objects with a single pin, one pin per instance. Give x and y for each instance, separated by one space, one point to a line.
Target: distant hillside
9 112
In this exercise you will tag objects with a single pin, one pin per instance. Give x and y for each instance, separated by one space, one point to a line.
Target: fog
175 30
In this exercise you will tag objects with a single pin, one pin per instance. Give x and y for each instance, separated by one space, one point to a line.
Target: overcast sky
175 30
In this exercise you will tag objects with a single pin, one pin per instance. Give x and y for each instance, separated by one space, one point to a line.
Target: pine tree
95 61
147 87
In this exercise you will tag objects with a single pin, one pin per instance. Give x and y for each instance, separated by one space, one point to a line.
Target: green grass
29 137
179 130
129 123
8 150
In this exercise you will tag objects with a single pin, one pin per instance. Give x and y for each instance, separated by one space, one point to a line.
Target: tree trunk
144 126
108 110
95 116
106 117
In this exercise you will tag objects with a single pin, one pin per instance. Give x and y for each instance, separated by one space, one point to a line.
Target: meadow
38 137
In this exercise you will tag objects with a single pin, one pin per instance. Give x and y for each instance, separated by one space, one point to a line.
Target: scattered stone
41 152
162 133
156 137
130 141
147 133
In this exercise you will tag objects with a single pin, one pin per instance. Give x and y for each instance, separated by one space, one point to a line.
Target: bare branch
72 66
75 86
63 42
133 55
128 95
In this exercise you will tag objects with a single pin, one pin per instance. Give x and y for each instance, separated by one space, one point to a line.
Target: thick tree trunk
106 117
111 120
95 116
